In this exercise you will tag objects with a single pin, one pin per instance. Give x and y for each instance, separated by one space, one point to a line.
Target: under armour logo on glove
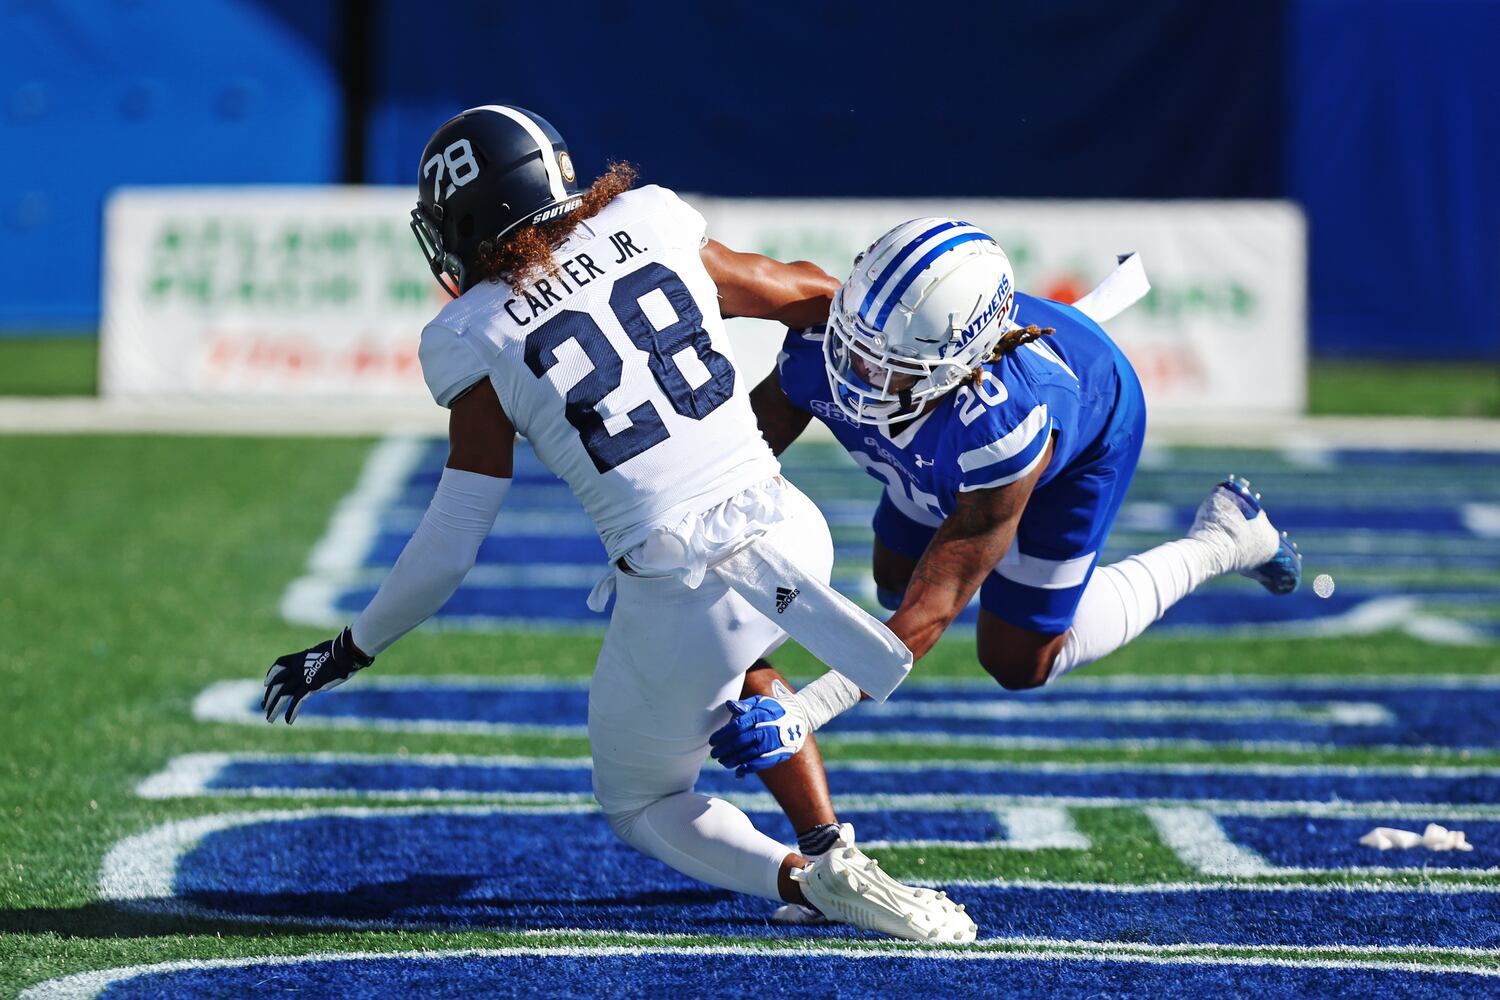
762 731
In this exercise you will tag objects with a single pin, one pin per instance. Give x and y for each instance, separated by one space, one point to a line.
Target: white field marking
983 685
1027 828
356 518
1310 454
1199 842
191 775
351 530
1379 614
1338 713
89 984
139 872
1482 519
234 701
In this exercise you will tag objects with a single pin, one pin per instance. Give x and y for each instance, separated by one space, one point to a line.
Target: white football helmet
925 306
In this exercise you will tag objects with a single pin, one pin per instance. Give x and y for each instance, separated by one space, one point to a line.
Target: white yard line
90 984
1195 836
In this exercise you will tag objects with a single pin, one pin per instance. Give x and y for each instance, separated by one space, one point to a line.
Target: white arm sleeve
436 560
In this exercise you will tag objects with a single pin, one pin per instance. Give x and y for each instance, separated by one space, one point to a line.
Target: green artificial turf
139 570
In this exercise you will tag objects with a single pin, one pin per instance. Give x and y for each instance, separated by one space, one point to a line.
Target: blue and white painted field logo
1413 540
719 970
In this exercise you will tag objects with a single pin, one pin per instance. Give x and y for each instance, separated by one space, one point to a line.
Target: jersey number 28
661 346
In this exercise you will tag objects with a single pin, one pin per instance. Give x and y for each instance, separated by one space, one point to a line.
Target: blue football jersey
983 434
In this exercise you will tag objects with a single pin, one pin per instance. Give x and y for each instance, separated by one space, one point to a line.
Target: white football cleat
846 885
1231 521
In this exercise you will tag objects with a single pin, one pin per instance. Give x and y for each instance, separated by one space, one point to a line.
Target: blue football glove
297 675
762 731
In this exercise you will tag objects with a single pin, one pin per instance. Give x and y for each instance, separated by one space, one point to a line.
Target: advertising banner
302 292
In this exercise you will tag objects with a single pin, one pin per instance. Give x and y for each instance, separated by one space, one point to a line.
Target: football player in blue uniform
1005 429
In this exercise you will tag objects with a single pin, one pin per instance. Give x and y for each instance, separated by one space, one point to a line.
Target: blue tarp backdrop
1382 117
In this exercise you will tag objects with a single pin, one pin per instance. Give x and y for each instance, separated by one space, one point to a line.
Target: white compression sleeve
1125 597
436 560
829 695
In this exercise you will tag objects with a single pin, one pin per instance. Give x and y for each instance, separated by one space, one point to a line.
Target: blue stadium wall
1381 117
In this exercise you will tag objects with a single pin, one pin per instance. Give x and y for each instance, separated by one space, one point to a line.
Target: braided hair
1011 340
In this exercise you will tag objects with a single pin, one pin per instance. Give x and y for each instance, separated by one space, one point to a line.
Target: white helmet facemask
925 307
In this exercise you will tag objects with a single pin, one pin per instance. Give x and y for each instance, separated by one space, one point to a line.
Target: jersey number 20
646 428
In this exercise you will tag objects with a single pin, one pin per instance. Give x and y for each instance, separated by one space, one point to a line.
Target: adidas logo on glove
784 598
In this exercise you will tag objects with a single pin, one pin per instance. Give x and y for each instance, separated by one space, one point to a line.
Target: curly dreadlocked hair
1011 340
528 249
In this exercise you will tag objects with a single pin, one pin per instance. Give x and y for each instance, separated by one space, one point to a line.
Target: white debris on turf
1434 838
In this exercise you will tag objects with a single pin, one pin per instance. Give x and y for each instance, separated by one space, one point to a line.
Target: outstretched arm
797 294
780 420
433 564
967 546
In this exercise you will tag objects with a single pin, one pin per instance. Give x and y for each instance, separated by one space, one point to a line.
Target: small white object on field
1434 838
1323 585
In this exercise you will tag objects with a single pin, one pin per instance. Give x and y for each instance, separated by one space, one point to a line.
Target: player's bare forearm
966 548
797 294
780 420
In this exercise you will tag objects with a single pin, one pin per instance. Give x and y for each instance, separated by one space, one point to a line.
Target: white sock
707 839
1125 597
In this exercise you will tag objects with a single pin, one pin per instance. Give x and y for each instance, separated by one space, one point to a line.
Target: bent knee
1019 670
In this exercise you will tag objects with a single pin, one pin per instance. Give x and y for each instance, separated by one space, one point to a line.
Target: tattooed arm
967 546
780 419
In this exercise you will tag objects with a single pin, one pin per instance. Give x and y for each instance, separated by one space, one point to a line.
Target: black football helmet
483 173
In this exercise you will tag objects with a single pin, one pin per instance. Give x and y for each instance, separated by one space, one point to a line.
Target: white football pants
672 656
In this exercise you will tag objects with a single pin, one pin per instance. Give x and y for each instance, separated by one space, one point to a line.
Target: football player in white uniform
589 321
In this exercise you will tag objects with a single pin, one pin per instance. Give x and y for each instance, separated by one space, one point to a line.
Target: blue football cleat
1234 522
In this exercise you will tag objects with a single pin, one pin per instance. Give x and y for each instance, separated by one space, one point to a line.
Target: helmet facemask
446 267
874 383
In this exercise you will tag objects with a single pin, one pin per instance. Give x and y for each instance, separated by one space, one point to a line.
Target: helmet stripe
549 155
919 267
895 265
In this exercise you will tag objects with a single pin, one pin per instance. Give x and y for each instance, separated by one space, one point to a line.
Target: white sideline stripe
1007 446
1199 842
89 984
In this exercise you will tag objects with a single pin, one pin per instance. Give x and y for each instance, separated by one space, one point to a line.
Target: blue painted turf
355 776
783 977
499 869
1320 842
1383 511
1418 715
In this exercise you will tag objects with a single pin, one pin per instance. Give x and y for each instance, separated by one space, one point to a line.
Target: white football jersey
617 369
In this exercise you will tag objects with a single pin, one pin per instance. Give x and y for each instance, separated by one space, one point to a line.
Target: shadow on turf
282 915
104 920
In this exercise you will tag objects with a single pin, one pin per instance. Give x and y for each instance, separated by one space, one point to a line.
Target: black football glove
297 675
